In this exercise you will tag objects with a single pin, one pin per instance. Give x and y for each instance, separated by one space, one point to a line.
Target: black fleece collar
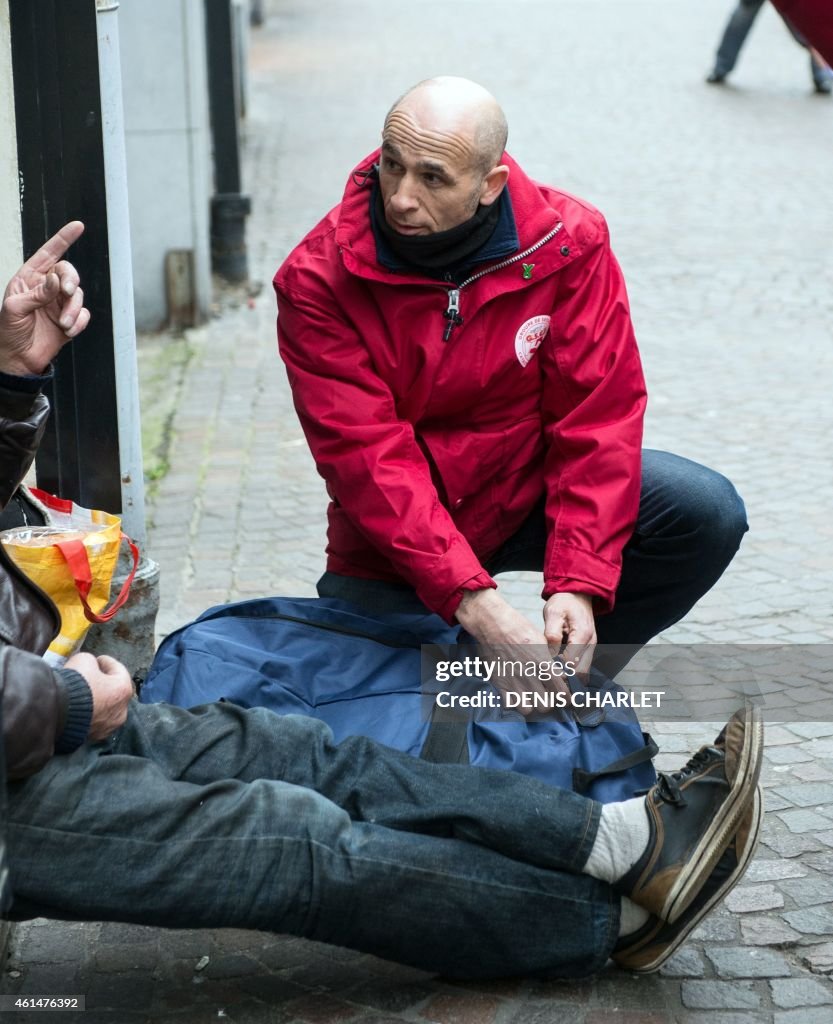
449 255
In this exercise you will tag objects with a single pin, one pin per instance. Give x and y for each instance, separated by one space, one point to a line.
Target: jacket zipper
452 313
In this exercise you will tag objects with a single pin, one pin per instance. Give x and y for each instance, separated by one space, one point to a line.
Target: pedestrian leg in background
734 36
820 70
822 73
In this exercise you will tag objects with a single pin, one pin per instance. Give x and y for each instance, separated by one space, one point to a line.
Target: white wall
167 136
10 238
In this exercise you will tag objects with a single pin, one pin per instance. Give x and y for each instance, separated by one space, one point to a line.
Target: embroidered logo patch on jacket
530 335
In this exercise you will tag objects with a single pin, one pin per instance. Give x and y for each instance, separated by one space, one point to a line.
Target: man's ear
493 184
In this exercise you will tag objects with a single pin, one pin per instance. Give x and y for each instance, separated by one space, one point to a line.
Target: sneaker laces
669 783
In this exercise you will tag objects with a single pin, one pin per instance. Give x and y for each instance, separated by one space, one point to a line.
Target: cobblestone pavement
718 202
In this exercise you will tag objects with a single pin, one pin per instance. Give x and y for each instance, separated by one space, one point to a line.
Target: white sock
631 917
623 834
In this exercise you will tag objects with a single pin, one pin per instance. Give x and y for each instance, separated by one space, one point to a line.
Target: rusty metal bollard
129 636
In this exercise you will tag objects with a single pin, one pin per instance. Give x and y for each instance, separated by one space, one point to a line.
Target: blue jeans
690 524
736 31
222 816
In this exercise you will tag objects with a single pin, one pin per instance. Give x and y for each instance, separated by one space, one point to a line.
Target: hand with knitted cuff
112 690
79 711
43 307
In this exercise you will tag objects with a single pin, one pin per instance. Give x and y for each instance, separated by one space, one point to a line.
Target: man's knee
729 513
693 500
718 511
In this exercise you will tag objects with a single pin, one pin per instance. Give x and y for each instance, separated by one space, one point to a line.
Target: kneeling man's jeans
223 817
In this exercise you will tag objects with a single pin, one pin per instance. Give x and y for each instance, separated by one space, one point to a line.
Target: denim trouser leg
205 820
820 73
690 524
735 33
817 71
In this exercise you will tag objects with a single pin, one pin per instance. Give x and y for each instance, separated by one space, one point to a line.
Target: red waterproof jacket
435 451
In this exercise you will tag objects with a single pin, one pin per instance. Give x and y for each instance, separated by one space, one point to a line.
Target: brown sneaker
693 814
648 948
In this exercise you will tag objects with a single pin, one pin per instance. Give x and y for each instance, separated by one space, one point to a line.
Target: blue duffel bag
365 675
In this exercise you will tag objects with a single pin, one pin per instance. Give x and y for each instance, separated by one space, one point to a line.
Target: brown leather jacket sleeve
34 711
28 618
22 421
35 699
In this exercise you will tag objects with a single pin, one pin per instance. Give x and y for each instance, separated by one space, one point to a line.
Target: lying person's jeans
221 817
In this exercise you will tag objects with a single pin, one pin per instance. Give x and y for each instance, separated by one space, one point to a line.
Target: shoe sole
719 834
733 879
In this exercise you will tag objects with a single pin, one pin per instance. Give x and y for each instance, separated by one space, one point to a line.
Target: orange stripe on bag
78 563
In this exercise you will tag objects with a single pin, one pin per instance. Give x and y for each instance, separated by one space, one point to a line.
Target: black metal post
58 113
229 206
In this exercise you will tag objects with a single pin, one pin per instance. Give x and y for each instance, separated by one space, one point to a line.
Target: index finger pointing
52 250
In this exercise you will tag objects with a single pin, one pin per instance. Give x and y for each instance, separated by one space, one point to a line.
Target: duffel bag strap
447 741
583 780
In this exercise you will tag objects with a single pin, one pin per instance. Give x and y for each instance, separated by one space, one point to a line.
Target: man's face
428 177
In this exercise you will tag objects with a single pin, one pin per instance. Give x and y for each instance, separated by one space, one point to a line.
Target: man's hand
43 307
570 629
112 689
506 635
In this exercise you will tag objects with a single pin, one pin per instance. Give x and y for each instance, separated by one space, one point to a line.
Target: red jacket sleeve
368 456
593 405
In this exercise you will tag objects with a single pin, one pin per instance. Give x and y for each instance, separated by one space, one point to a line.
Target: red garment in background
814 20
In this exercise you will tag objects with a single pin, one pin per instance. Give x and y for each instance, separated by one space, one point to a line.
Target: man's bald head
463 108
441 147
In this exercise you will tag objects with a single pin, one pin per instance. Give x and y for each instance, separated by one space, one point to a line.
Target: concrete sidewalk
718 203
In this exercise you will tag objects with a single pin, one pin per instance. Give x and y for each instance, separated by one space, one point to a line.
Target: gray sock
620 841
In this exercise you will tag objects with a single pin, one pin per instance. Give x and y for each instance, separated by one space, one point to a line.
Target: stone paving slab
717 200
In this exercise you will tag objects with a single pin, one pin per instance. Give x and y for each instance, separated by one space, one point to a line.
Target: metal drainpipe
229 206
130 635
121 271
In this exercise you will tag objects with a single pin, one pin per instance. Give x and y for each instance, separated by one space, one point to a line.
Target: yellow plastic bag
73 561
